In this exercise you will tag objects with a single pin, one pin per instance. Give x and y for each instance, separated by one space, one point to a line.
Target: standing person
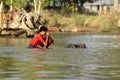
42 39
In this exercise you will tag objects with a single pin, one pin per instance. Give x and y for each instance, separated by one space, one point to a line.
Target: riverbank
82 22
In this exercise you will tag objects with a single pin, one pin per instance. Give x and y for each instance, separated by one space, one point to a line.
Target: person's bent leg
50 41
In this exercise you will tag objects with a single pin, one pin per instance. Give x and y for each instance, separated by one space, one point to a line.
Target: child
42 39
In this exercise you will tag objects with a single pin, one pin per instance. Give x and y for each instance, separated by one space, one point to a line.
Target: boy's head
43 28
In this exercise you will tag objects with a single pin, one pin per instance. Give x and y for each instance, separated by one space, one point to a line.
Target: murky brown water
99 61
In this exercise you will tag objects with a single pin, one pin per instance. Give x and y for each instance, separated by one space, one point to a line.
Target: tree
74 3
22 3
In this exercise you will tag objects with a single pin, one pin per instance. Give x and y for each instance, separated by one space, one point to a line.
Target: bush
106 22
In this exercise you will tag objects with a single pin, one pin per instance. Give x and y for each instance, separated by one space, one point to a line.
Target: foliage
79 20
108 22
67 5
64 18
22 3
105 22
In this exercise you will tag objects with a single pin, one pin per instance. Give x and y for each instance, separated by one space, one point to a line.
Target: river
99 61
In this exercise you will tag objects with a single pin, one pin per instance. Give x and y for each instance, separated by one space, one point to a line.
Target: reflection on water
99 61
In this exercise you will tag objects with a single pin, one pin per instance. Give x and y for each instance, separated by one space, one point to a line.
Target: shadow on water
99 61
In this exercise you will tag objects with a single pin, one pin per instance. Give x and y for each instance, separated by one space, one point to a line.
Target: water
99 61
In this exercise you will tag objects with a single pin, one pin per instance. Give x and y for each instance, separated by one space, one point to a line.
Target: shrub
106 22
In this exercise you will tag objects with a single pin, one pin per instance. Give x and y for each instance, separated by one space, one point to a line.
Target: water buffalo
76 46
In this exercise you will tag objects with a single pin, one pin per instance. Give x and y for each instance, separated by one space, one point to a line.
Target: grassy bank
106 22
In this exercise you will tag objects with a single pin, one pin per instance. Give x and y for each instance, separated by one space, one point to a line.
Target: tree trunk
1 12
11 5
116 5
100 7
39 7
35 6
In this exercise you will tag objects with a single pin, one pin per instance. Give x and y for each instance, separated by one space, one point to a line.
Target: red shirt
37 40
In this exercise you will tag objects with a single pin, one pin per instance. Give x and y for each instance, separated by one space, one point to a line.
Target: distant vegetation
69 5
64 16
106 22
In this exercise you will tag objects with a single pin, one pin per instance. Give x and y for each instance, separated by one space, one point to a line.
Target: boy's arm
47 36
46 41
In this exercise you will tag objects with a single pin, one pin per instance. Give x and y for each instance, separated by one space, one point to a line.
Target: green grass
106 22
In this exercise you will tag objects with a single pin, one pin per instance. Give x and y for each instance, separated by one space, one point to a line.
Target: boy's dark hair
43 28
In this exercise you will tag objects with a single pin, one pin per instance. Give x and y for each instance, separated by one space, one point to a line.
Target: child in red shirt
42 39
